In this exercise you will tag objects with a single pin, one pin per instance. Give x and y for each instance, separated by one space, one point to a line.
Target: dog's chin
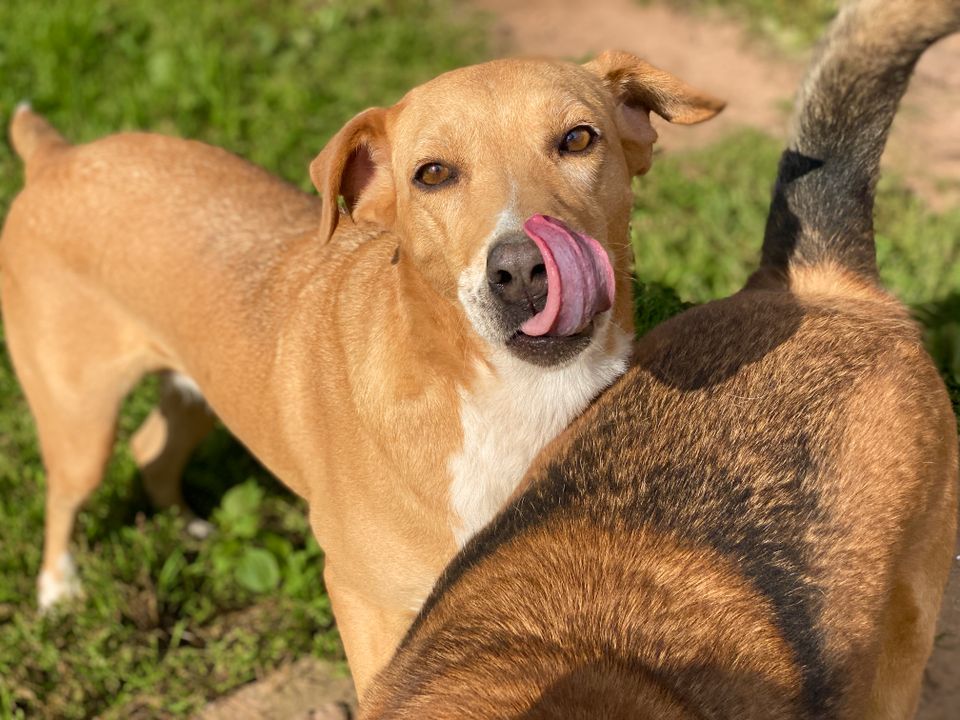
549 350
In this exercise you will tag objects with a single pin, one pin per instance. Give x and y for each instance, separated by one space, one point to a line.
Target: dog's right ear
355 165
639 88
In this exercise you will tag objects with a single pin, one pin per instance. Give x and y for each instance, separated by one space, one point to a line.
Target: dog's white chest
512 412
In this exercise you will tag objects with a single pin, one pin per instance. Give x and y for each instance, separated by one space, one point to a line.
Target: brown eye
433 174
578 139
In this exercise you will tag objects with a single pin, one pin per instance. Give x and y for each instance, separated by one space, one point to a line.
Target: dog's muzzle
549 283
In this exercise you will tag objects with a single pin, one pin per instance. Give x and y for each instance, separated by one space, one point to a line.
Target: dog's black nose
516 273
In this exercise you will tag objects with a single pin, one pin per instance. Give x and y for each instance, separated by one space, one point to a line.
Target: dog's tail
822 208
33 138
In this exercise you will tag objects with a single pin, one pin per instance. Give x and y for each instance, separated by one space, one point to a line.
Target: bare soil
758 83
309 689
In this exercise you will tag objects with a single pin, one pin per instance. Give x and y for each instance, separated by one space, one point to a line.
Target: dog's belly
512 412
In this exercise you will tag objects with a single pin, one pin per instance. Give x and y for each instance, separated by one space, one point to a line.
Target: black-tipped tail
822 209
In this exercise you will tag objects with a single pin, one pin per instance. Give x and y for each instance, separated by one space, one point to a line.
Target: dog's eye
578 139
433 174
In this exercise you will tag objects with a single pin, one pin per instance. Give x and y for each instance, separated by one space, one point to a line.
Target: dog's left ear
355 165
639 89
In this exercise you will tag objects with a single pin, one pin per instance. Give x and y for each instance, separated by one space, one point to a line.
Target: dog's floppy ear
355 164
639 89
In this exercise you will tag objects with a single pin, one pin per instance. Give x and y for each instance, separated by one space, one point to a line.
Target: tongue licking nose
579 278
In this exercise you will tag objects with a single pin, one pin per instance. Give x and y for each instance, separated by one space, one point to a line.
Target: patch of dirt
716 54
710 54
309 689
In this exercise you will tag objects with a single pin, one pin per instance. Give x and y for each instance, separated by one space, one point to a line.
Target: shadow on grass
941 318
218 464
653 303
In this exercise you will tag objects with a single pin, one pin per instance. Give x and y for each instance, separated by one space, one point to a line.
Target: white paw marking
61 584
187 387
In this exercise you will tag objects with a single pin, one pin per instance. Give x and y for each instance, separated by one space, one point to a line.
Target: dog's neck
511 412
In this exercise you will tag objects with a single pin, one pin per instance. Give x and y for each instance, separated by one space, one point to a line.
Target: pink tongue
579 278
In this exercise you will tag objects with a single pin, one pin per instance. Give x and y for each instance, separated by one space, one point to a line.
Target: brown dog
397 365
757 520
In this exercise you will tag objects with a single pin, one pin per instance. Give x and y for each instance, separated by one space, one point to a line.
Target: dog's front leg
370 632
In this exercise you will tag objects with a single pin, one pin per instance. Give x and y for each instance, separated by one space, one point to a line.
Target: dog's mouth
558 322
549 350
580 278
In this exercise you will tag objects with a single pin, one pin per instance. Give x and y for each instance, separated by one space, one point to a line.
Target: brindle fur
757 520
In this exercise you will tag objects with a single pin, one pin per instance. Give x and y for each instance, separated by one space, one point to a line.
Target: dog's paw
58 585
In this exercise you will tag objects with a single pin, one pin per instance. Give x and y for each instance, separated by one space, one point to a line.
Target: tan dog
397 365
757 520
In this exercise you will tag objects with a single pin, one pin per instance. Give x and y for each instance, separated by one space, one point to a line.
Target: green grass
169 622
268 80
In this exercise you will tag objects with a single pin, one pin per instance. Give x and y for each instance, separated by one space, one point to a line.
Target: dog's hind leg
911 616
76 357
921 566
163 443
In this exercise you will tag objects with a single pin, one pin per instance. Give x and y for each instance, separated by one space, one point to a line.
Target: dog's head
508 185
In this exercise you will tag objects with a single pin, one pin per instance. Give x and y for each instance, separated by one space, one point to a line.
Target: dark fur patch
783 226
709 463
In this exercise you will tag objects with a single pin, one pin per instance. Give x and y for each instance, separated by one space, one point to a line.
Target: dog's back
91 232
757 520
755 523
157 199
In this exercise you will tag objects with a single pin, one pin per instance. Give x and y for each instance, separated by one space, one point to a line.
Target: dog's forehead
508 89
510 73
